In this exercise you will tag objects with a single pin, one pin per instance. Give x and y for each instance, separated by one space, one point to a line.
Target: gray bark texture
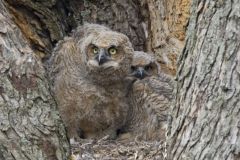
206 116
30 126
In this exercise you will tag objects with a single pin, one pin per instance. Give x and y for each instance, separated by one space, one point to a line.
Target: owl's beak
140 73
102 57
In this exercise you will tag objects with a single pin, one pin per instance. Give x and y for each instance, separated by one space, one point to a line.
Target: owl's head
106 54
144 65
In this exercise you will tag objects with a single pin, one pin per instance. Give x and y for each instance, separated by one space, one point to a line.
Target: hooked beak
102 57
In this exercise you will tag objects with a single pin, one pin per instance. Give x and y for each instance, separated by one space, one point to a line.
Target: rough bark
43 23
30 126
206 123
166 22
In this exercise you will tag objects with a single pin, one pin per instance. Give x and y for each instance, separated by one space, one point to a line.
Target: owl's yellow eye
112 51
95 50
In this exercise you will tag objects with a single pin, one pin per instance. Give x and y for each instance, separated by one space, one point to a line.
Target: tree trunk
206 116
30 127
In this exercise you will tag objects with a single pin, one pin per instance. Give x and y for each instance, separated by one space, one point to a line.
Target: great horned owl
151 97
88 71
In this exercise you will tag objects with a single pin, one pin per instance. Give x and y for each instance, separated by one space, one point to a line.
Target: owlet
151 97
88 71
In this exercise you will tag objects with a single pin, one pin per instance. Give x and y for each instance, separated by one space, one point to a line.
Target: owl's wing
160 95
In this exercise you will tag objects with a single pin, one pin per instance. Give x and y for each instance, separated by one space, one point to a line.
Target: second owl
151 96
